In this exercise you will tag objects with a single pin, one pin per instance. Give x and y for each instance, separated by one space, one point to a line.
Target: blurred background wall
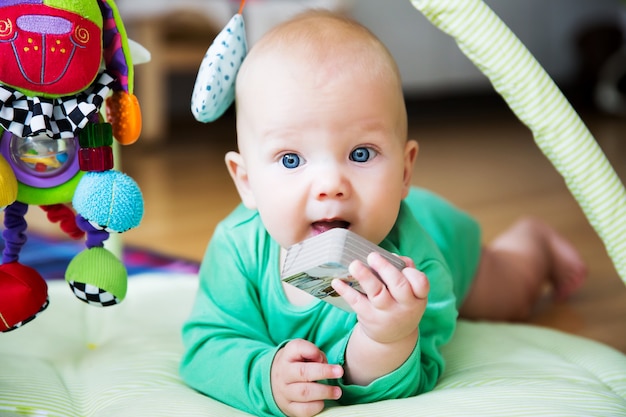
430 62
572 39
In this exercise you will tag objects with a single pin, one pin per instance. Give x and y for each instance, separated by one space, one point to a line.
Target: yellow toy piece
8 184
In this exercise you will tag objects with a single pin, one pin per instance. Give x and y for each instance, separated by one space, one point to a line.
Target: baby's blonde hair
321 36
330 46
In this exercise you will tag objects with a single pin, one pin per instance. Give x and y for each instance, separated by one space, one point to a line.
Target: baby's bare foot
517 266
548 259
568 270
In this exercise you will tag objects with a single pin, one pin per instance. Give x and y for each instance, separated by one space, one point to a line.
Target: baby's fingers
313 371
307 399
404 286
294 374
419 282
306 392
369 280
372 294
300 350
301 361
306 396
408 261
354 298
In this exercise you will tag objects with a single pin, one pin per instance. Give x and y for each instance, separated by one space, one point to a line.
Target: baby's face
324 150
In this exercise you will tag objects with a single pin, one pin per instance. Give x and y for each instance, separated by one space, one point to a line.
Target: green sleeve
228 351
455 233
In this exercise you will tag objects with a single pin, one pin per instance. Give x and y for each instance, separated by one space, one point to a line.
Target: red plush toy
61 60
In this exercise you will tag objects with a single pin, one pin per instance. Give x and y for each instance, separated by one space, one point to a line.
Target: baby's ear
239 174
411 150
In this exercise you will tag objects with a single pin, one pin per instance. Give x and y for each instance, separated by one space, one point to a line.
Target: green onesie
242 316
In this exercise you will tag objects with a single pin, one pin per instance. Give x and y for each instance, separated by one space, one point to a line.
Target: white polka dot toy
214 90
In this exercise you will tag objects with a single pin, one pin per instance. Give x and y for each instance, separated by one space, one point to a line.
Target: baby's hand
393 304
295 370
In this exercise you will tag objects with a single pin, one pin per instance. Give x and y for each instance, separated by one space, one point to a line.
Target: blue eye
362 154
291 161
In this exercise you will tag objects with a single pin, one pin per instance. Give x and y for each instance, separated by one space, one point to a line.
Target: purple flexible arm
13 234
95 237
112 43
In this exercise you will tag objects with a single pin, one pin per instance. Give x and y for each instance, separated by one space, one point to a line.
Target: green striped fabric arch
539 104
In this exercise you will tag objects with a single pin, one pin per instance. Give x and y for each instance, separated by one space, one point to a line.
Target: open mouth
325 225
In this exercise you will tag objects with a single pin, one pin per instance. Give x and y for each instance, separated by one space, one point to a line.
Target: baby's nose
331 183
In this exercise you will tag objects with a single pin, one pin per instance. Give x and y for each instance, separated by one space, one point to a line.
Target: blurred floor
474 152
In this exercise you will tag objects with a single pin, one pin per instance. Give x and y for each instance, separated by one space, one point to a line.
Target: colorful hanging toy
60 61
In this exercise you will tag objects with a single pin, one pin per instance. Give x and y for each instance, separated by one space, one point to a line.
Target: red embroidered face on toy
48 50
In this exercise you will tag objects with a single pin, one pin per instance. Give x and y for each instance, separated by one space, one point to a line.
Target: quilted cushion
78 360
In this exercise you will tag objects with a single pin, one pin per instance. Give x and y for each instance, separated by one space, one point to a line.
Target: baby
322 138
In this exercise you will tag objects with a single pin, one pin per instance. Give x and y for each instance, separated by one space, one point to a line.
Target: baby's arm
228 349
389 314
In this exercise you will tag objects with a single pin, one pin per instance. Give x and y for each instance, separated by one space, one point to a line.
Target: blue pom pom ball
110 199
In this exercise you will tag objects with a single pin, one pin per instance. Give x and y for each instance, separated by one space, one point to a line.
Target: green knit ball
101 273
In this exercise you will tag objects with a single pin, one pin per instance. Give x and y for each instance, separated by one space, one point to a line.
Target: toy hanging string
243 3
